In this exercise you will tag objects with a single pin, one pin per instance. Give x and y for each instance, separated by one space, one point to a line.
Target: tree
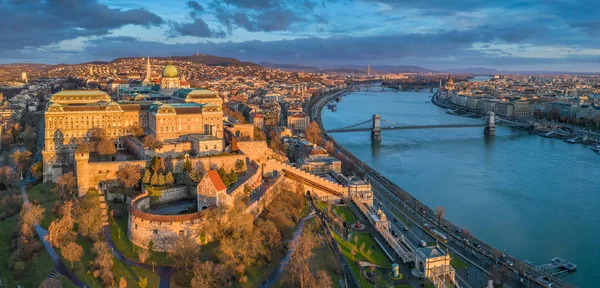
65 186
355 239
60 232
323 280
6 140
259 135
37 170
186 250
466 234
362 247
72 252
161 180
28 134
151 142
240 166
33 215
106 147
102 265
136 130
209 275
157 164
313 133
169 180
143 255
83 147
122 282
439 214
130 175
154 179
147 176
51 283
330 147
88 217
143 282
21 159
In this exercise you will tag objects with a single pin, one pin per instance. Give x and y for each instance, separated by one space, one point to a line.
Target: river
534 197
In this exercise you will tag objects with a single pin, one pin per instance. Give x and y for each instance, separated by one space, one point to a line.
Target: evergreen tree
154 180
147 177
169 179
161 180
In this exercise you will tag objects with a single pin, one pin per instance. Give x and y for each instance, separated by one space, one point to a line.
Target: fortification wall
170 194
326 186
254 181
160 231
227 162
91 174
271 191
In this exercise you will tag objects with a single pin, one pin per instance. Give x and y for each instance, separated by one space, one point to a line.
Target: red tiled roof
216 180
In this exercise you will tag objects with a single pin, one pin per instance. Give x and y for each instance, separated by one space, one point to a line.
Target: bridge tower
376 128
490 128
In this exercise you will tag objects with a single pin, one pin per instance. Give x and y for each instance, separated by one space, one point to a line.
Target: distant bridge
375 126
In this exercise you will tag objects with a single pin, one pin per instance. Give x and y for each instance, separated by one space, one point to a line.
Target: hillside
202 59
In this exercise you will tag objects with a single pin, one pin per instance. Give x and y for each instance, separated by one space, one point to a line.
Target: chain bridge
376 125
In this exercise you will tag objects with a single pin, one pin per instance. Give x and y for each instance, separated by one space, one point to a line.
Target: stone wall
254 181
91 174
258 151
227 162
170 194
318 186
271 190
160 230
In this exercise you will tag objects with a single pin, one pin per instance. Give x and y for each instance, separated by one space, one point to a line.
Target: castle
76 117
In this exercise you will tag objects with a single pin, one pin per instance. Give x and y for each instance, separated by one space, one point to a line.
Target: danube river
534 197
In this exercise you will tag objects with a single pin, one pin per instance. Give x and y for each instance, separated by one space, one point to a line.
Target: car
395 220
510 263
477 245
423 243
405 228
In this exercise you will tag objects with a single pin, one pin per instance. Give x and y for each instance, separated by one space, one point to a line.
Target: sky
517 35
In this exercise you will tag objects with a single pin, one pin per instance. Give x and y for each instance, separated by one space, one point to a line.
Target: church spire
148 69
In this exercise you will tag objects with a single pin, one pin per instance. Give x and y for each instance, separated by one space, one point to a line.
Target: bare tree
72 252
186 250
439 214
65 186
313 133
106 147
130 175
143 255
151 142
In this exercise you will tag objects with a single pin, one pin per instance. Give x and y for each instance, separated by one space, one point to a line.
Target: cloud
40 23
198 27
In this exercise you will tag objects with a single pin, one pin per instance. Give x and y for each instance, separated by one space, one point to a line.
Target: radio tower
369 70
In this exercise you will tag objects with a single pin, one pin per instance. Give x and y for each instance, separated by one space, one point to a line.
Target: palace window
155 232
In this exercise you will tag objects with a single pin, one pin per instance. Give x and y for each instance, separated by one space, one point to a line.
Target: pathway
59 266
274 277
164 272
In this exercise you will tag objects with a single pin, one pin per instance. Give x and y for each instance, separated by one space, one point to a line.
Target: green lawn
66 283
42 194
345 213
37 269
377 256
130 273
118 228
457 263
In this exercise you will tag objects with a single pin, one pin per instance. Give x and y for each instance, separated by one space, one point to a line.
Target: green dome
170 71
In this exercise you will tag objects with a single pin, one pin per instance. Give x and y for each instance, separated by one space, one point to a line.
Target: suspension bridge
377 125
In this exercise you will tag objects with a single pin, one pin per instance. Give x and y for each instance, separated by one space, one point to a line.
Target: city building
434 263
298 121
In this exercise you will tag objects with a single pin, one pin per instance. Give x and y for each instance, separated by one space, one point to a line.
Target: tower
24 77
376 128
369 70
148 69
490 128
91 70
81 168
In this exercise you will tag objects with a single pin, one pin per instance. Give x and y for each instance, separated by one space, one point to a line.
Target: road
481 259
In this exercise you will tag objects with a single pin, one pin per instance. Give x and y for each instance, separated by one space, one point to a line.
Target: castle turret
81 169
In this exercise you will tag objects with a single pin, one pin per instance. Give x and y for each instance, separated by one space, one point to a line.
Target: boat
595 148
334 108
449 111
574 140
548 134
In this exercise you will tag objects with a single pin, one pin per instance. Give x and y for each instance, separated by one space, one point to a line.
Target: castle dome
170 71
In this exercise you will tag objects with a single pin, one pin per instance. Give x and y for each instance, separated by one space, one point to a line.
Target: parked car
405 228
423 243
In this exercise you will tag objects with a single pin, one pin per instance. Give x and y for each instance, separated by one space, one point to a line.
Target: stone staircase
54 274
103 207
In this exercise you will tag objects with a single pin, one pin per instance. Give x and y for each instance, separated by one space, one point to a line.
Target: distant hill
401 69
474 71
202 59
288 67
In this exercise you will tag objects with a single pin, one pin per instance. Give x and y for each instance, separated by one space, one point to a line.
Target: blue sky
559 35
